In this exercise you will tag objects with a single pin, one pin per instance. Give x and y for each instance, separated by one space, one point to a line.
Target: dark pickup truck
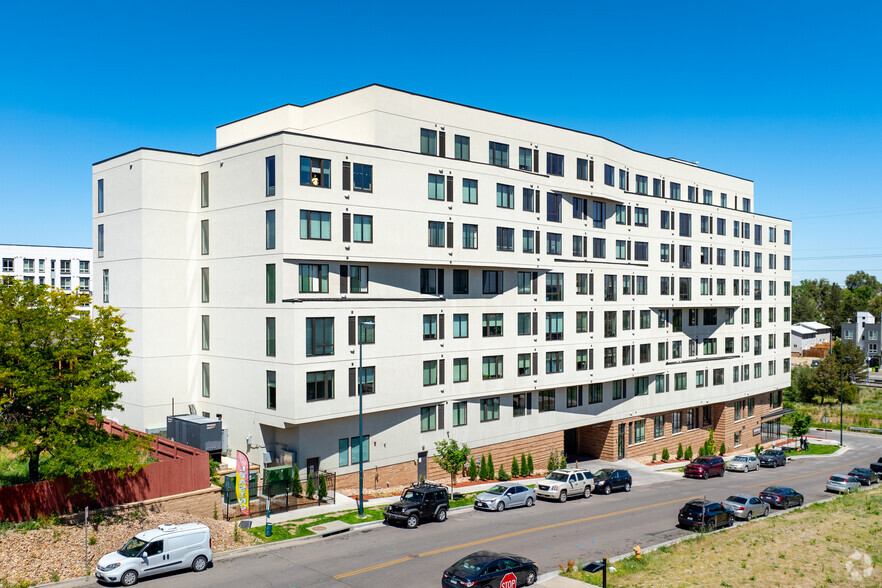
877 467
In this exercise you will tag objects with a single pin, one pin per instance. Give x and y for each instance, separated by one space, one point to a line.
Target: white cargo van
166 549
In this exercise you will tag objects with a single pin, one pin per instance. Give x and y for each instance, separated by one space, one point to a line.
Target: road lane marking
508 536
805 475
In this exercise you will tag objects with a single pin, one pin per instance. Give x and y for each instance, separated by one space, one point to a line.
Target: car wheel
587 492
722 472
627 486
607 489
766 512
775 464
529 502
705 475
531 578
130 578
413 521
200 563
710 526
731 520
500 507
750 515
801 500
563 496
441 516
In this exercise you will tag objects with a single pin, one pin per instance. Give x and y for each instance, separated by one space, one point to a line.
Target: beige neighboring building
530 287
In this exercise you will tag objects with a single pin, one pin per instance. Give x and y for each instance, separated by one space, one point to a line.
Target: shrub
688 453
653 457
552 461
723 448
666 455
296 485
563 461
93 539
483 472
515 470
323 488
530 464
473 469
501 475
490 469
524 470
680 451
310 488
758 449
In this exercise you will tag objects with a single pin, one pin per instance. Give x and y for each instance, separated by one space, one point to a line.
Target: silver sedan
746 506
742 463
837 483
505 495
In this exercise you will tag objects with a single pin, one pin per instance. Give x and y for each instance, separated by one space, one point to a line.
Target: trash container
269 529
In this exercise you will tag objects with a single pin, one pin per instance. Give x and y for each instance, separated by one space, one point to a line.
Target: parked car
486 568
742 463
705 515
560 484
418 503
705 467
781 496
505 495
877 467
165 549
607 480
837 483
865 476
746 506
772 458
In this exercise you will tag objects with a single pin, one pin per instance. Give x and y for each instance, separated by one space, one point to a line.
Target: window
599 215
504 239
700 379
581 283
553 362
428 284
525 323
554 244
430 372
270 168
641 385
100 245
461 147
609 177
470 191
315 225
101 196
685 225
582 169
205 283
640 431
206 380
358 279
553 326
609 288
787 263
680 381
599 248
491 367
498 154
692 194
553 210
313 278
459 413
271 389
106 284
525 158
641 251
320 385
529 197
623 179
461 369
525 283
553 287
271 337
436 233
428 142
460 281
362 177
491 325
362 228
460 326
581 359
504 196
621 249
469 236
642 184
430 326
427 418
675 191
315 172
360 449
546 400
582 321
554 164
665 252
319 336
524 364
690 418
708 197
609 358
676 422
641 217
578 246
492 281
436 187
489 409
619 389
527 242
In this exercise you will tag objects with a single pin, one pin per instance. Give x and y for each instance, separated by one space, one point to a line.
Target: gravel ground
58 552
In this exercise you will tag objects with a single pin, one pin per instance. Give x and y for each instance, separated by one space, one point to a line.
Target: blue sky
784 93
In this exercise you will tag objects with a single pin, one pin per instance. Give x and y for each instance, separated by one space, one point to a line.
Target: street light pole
840 403
360 419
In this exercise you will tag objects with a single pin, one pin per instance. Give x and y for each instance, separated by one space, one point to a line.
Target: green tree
59 368
679 451
296 484
553 460
688 453
451 456
666 455
491 471
530 464
722 449
515 470
799 423
835 372
862 279
310 487
524 470
502 476
323 488
483 472
709 447
473 469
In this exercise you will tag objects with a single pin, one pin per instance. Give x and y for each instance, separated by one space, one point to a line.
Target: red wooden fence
179 468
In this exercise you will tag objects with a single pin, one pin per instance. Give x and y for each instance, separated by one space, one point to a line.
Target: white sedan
841 484
742 463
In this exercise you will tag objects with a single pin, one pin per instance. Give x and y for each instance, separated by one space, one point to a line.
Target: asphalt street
550 533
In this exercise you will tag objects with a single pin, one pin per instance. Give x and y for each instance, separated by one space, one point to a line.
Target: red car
705 467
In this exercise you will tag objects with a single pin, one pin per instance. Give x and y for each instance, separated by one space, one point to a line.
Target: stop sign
509 581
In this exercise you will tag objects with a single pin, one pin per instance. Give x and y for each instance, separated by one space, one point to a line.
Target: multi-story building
67 268
516 286
865 332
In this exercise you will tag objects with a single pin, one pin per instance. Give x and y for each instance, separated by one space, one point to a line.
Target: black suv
607 480
705 515
773 458
419 502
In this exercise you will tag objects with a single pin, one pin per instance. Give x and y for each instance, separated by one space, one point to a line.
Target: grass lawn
836 543
866 412
818 449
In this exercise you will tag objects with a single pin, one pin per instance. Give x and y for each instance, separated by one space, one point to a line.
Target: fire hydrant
637 551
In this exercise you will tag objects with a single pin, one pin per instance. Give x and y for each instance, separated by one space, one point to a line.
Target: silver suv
560 484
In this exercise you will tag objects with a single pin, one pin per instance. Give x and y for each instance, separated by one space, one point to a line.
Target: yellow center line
806 475
507 536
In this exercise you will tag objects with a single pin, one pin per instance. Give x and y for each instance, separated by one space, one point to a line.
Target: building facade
865 332
513 285
809 334
67 268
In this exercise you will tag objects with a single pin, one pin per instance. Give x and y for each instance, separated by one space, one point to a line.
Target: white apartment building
67 268
529 287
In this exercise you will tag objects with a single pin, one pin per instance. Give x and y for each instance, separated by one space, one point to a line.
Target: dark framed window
546 400
315 172
498 154
362 177
319 336
489 409
492 282
428 142
554 164
320 385
461 147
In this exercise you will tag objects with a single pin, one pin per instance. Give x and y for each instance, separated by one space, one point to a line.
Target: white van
166 549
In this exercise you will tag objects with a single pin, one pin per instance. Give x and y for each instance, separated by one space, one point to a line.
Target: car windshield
497 490
737 499
557 477
770 452
469 565
412 496
602 474
701 461
133 547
